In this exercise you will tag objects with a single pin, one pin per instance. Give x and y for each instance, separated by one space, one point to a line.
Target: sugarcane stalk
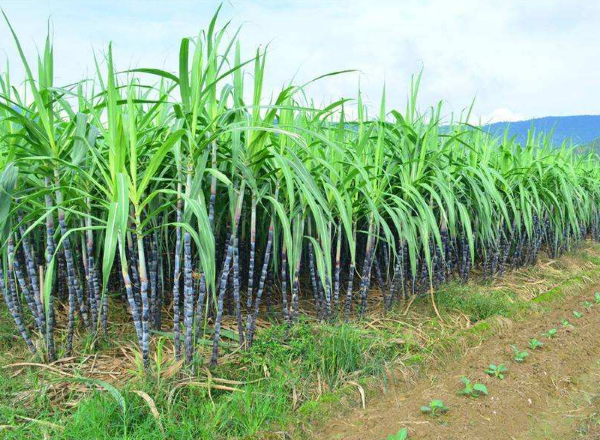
222 290
366 272
251 324
73 280
252 259
14 312
15 267
236 291
50 248
225 275
32 273
176 280
154 309
144 294
188 296
133 305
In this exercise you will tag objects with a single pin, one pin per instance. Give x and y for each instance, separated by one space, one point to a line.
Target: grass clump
477 303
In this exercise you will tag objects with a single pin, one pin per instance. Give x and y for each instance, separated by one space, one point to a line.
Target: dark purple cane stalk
188 296
32 304
14 312
50 247
251 263
133 306
73 280
496 256
89 284
314 281
161 291
327 293
348 304
97 299
251 324
351 270
176 283
222 289
145 299
397 277
284 299
366 272
32 273
379 277
104 302
386 262
225 275
133 266
296 293
199 315
154 309
236 291
61 275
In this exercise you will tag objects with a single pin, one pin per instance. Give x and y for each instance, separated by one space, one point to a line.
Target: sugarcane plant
203 206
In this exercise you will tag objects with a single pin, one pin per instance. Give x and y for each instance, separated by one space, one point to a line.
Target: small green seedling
587 304
472 389
400 435
496 370
551 333
534 344
435 408
519 355
577 314
597 297
565 323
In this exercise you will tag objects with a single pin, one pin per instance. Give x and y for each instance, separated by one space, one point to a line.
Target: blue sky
519 58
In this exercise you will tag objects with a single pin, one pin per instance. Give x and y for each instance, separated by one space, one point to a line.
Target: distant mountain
580 129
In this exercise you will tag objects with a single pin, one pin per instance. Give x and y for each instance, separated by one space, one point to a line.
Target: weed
477 305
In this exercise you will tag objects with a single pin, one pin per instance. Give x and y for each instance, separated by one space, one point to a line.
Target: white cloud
502 114
531 56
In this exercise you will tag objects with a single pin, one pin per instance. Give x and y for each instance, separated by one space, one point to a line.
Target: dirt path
554 394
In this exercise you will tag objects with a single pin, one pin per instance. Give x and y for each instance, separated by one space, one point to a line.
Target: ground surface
554 394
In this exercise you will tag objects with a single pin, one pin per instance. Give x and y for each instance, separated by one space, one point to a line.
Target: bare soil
554 394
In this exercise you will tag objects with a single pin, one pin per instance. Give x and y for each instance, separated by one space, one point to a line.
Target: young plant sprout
577 314
534 344
551 333
435 408
520 356
472 389
400 435
496 371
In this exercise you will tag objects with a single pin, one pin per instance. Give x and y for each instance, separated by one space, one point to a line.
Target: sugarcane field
299 220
